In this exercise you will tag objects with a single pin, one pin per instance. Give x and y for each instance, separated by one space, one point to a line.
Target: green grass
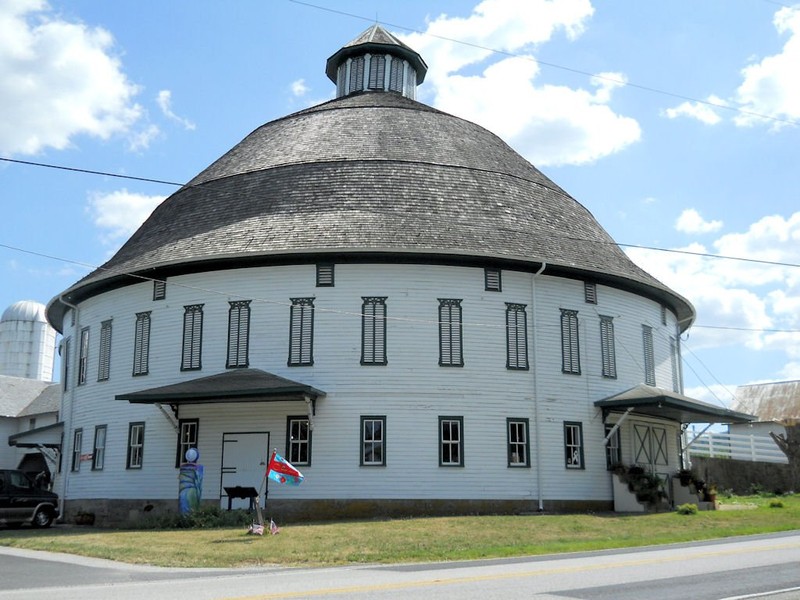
411 540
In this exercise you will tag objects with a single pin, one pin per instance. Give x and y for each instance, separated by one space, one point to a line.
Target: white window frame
373 441
298 440
518 442
451 441
573 445
135 454
99 451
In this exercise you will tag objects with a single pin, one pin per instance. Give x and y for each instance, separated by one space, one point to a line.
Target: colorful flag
273 529
256 529
280 470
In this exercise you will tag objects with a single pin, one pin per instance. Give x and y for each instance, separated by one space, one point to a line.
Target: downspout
70 439
536 391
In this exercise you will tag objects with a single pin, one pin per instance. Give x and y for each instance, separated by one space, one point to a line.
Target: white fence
757 448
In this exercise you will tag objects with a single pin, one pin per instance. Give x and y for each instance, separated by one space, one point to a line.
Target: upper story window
356 73
83 356
373 331
649 358
516 336
570 346
238 334
377 72
301 332
141 344
492 281
65 358
608 353
104 360
159 289
450 333
192 337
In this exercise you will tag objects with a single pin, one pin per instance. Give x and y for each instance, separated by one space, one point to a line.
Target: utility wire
89 171
614 80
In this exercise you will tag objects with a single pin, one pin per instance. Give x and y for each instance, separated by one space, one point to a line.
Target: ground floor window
373 441
613 449
518 448
77 445
99 452
135 445
298 441
451 441
573 445
187 438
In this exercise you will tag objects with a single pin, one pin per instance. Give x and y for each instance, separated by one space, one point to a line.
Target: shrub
775 503
687 509
205 517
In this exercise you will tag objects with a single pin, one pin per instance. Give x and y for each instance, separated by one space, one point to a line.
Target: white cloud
771 86
549 124
118 214
738 294
697 110
164 100
58 80
690 221
299 88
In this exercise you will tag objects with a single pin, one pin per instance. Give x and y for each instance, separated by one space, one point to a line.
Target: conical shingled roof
372 176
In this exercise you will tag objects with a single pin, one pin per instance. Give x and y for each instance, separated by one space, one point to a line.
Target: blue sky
686 139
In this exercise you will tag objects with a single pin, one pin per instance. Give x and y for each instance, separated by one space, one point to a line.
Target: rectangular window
675 358
77 449
99 452
187 438
65 358
141 344
649 359
301 332
298 441
135 446
373 331
608 354
492 280
590 292
613 448
192 337
573 445
238 334
104 360
325 275
516 336
159 289
450 333
518 448
570 347
373 441
663 315
451 442
83 356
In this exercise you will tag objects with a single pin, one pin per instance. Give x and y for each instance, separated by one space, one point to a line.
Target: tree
789 443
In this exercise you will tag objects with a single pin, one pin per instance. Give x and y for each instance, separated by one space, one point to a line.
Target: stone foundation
121 513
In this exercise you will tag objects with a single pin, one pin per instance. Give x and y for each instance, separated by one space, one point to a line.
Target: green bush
206 517
687 509
775 503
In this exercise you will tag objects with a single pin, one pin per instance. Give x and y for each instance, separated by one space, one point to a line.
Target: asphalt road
735 569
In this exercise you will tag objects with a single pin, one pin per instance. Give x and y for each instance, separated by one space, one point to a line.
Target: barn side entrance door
650 451
244 463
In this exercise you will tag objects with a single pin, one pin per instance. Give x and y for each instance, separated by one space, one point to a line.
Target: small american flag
273 529
256 529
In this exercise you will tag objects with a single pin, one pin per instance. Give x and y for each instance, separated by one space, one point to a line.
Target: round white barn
407 310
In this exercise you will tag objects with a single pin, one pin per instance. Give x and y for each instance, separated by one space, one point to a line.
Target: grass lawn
411 540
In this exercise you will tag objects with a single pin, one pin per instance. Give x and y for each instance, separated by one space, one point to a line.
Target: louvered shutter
377 66
104 362
570 349
516 337
192 337
607 347
301 332
141 349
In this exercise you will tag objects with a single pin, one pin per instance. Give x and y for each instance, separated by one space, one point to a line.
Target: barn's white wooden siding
411 391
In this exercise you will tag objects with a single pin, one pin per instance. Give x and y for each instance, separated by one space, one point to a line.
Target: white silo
27 342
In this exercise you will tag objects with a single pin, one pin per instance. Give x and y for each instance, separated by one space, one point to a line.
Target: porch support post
312 410
617 425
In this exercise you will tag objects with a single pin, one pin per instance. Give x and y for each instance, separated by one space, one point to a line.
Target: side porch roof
651 401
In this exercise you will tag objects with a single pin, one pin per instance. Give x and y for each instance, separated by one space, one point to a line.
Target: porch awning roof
237 385
663 404
48 436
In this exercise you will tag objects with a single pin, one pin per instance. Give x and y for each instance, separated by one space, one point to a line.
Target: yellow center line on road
360 589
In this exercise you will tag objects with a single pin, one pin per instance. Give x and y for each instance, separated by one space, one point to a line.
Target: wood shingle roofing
372 175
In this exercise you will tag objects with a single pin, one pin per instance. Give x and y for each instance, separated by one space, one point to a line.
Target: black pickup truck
22 501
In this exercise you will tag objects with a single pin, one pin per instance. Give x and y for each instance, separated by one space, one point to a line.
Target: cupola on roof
376 61
370 177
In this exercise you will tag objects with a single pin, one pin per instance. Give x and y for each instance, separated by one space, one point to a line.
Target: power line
552 65
88 171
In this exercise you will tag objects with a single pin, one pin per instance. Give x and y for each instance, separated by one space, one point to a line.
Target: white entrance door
244 463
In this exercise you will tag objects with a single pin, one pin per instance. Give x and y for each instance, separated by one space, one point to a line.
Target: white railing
758 448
